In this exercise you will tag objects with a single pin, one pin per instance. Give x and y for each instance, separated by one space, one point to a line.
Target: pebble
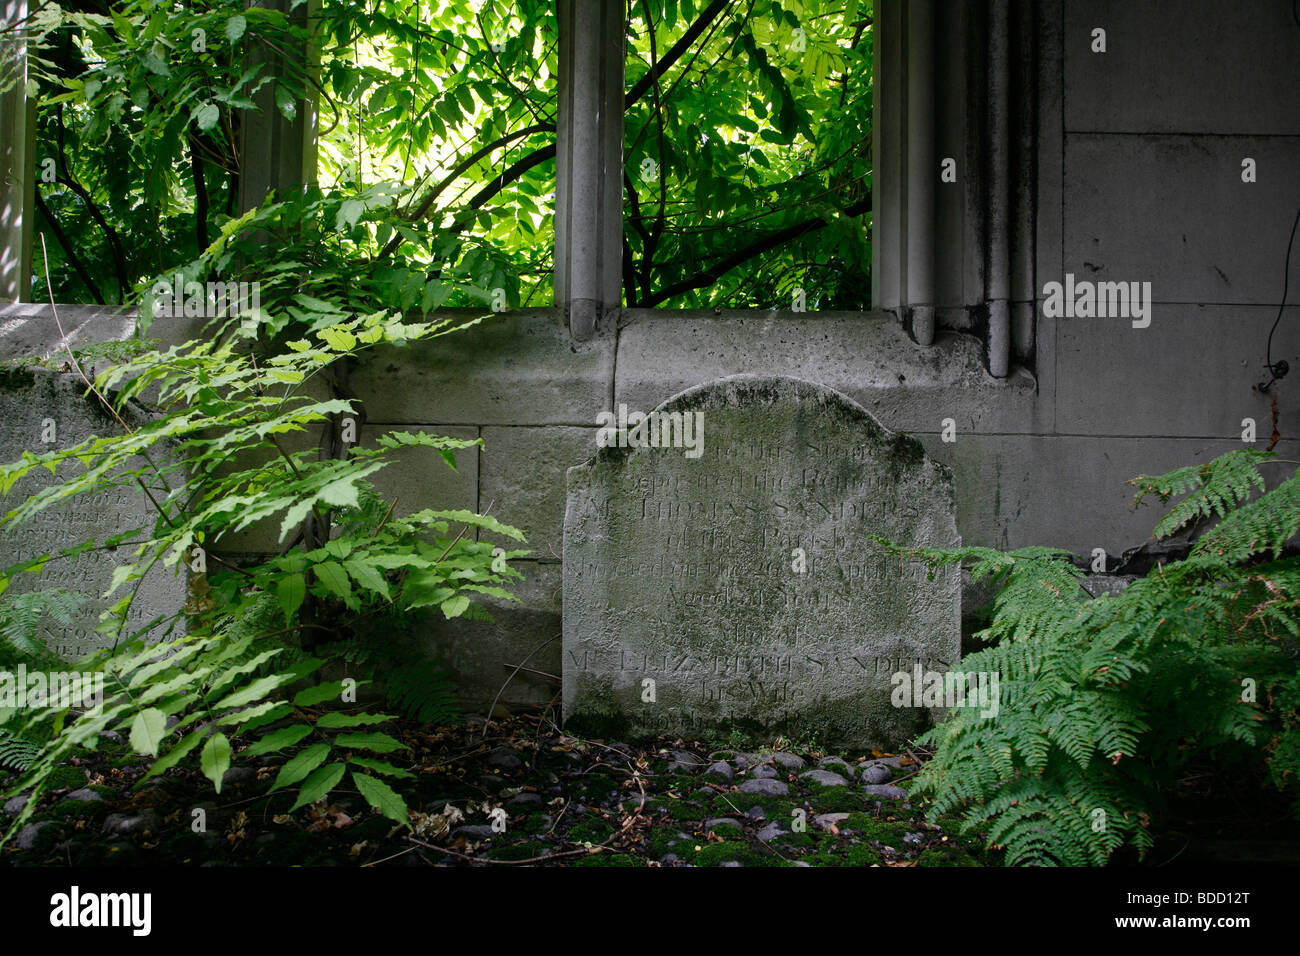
29 836
770 832
722 822
236 776
835 762
746 760
896 761
756 813
885 791
764 772
14 805
525 799
478 831
772 788
720 771
730 863
874 773
683 760
824 821
914 837
825 778
504 757
124 824
789 761
85 793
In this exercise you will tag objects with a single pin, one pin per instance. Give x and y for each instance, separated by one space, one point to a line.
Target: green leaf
332 575
291 591
174 756
382 797
254 691
207 115
280 739
379 766
349 212
301 765
339 339
215 759
336 720
235 28
147 731
379 743
319 784
321 693
367 576
456 606
285 101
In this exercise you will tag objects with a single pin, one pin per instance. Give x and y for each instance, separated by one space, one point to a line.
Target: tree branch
200 198
675 52
780 237
460 170
71 253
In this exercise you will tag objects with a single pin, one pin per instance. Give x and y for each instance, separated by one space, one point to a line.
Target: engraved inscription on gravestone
30 402
742 588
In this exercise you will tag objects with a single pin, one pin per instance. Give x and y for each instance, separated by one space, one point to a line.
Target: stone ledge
28 330
865 355
513 369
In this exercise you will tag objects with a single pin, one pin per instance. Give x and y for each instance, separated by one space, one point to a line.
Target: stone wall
1139 166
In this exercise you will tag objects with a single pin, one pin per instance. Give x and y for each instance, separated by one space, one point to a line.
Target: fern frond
1212 488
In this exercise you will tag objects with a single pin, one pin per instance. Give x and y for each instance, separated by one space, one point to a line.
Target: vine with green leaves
237 666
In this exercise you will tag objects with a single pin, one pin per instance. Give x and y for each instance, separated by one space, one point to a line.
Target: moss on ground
78 809
535 823
863 854
731 804
590 831
946 855
685 810
835 799
594 788
527 850
607 859
737 851
61 777
868 827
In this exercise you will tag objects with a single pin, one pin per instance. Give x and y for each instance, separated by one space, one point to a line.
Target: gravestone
736 585
36 405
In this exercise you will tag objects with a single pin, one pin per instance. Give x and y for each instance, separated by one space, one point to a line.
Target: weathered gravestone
36 405
741 588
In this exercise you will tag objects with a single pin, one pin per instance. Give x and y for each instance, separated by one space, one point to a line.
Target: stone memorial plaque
36 405
732 581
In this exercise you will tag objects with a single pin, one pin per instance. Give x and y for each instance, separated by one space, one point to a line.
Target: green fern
21 617
17 753
1103 701
1213 488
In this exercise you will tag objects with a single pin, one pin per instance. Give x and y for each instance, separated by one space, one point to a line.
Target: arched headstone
42 411
723 573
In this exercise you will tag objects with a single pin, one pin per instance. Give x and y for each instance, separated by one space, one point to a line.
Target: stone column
954 90
589 165
17 179
277 153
